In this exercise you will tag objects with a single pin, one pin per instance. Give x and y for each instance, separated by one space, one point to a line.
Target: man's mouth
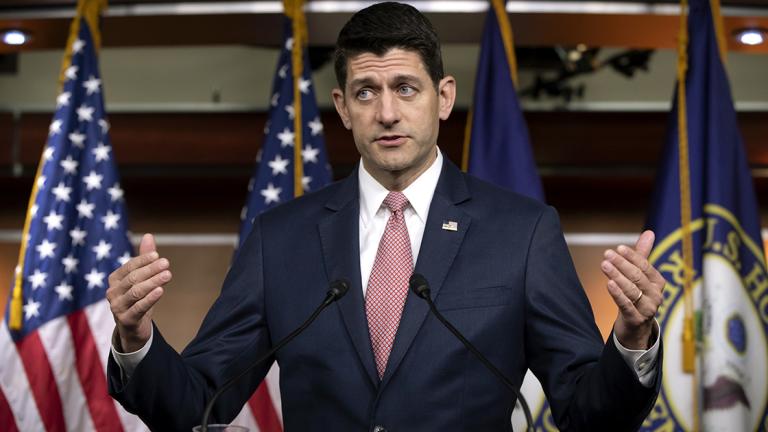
391 140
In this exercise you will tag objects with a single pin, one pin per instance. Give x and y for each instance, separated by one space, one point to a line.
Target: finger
640 261
134 263
629 288
147 244
143 306
622 301
141 274
628 269
137 292
644 243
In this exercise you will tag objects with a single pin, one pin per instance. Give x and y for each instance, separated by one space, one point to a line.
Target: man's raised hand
134 288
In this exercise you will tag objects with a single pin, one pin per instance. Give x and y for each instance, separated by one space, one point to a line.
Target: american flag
53 373
273 183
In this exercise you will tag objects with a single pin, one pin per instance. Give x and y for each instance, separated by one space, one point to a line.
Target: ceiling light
15 37
752 36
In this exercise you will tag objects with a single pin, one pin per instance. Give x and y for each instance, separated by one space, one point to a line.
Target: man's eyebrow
361 82
407 78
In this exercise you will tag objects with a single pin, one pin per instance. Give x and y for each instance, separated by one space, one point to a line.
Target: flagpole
90 10
294 10
689 330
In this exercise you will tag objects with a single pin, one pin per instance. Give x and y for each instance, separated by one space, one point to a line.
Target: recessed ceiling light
752 36
15 37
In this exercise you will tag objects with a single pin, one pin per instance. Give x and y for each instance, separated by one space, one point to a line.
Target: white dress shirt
373 219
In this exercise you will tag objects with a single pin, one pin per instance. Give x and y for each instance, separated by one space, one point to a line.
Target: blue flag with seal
497 146
714 317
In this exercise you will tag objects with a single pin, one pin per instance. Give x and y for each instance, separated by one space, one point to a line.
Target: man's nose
388 113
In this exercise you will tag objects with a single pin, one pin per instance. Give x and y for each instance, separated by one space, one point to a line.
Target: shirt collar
419 193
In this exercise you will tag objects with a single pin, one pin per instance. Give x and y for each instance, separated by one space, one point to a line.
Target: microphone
419 285
336 290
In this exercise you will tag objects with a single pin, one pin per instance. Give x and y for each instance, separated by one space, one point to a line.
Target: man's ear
446 93
341 107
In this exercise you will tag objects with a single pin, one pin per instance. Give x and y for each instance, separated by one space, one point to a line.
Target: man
497 263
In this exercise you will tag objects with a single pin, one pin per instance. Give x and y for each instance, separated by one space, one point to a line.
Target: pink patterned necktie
388 284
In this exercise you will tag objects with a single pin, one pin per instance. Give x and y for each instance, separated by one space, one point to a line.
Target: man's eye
364 94
406 90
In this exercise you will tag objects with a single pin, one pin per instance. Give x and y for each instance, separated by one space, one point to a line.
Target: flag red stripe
264 411
90 371
7 422
41 381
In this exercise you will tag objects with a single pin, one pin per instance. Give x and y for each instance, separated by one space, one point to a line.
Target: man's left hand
636 288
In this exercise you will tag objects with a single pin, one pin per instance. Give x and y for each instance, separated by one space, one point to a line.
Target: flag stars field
85 113
279 165
38 279
63 99
64 290
271 194
78 237
69 165
102 250
61 192
71 73
286 138
115 192
92 85
93 180
77 139
31 309
110 220
95 279
45 249
101 152
53 221
85 209
70 264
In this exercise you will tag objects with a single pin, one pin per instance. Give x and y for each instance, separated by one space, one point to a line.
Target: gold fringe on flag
689 330
89 10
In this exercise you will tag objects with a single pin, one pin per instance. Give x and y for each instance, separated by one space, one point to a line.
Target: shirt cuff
642 362
129 361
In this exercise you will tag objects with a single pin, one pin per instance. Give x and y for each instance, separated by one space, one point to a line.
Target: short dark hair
383 26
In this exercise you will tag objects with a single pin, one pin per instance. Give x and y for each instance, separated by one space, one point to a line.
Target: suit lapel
339 235
438 249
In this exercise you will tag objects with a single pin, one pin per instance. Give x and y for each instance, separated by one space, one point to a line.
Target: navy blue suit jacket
504 278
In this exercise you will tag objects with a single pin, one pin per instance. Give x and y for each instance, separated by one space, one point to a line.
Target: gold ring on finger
638 298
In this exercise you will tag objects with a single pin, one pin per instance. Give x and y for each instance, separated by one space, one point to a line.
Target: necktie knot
395 201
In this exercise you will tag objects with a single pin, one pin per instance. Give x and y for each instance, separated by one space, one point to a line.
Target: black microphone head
419 285
338 288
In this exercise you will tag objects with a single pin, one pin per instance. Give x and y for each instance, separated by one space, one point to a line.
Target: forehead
394 62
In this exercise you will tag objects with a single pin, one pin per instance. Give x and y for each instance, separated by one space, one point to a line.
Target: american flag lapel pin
450 225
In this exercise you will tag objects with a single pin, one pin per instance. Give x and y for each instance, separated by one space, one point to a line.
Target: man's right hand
134 288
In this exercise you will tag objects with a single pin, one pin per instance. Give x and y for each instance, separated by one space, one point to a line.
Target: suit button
378 428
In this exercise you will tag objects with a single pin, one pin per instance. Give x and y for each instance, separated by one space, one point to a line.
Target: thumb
645 243
147 244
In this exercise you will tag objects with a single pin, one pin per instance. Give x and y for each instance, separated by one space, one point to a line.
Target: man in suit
497 264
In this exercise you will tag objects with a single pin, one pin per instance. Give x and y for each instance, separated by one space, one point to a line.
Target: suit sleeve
169 391
587 382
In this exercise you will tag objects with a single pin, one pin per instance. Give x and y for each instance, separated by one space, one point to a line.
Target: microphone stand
336 291
420 287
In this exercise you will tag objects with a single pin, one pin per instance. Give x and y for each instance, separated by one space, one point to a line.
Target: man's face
394 111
